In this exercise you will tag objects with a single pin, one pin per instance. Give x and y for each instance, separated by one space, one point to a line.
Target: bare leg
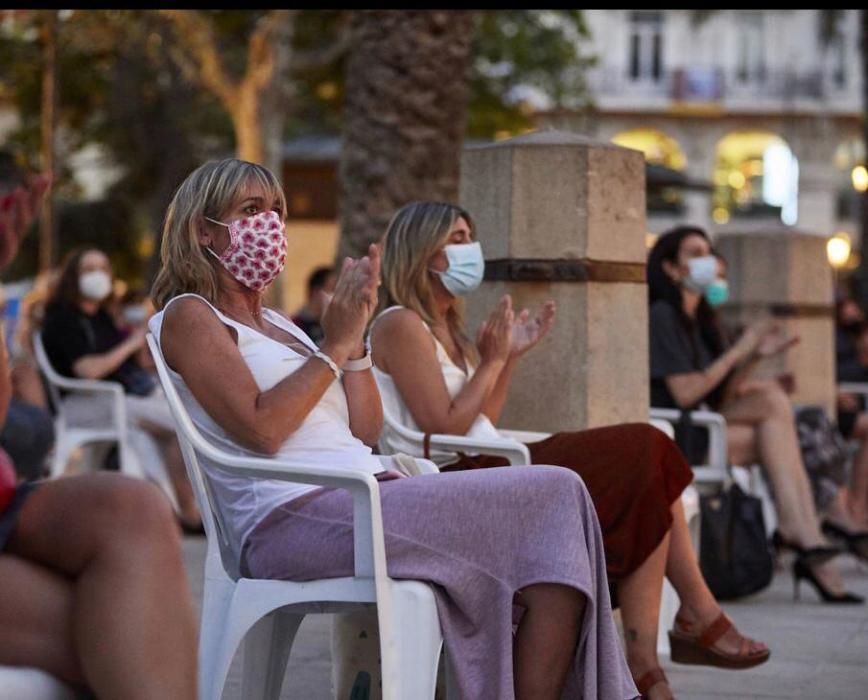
768 415
36 614
639 597
174 459
131 624
545 643
698 605
857 497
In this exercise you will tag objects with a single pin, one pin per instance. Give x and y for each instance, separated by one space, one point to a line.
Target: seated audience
255 384
691 366
82 340
92 583
435 380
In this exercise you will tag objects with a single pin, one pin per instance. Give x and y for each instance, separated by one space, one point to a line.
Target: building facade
763 104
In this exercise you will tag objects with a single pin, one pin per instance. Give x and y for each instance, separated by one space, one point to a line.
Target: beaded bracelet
330 362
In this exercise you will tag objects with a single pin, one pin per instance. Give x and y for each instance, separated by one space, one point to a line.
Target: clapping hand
528 330
495 334
353 303
775 341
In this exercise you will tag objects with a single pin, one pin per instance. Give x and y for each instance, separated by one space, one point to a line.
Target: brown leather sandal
650 679
698 648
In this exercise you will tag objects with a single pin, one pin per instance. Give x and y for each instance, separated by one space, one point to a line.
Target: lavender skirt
528 525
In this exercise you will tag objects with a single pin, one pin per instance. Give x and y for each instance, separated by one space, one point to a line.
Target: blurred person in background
320 287
92 583
692 365
82 340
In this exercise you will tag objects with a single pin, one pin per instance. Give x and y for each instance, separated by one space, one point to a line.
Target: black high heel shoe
818 555
802 570
855 542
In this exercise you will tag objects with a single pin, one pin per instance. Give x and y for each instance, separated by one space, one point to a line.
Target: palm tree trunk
47 252
404 116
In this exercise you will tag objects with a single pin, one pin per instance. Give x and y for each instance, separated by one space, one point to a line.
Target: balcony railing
712 84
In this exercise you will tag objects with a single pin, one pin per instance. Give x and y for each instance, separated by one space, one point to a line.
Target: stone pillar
562 217
784 273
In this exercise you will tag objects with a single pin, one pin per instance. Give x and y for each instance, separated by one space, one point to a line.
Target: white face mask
135 313
95 285
466 268
701 273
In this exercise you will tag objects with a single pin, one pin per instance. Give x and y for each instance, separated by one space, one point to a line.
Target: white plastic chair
268 613
716 472
24 683
69 436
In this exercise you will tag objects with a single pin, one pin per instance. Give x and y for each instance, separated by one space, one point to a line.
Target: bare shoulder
402 322
192 319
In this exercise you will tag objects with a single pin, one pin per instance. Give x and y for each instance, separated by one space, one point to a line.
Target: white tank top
323 439
394 406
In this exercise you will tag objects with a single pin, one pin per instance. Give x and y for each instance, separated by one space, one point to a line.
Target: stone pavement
819 652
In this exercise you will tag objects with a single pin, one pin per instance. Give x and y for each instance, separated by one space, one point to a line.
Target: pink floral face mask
256 252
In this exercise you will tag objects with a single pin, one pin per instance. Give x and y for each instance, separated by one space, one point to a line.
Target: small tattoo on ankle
632 635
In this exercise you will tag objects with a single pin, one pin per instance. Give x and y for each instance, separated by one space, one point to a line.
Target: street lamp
838 249
859 176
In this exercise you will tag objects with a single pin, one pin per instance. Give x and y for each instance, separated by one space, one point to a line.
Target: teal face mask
466 268
717 292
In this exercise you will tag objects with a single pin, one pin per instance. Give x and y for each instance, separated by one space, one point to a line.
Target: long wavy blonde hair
415 233
209 191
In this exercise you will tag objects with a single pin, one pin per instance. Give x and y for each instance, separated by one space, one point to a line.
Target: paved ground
819 652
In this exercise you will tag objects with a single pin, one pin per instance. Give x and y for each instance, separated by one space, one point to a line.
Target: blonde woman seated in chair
442 383
255 384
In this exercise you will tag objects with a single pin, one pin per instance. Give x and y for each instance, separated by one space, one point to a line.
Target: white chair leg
215 607
266 652
409 662
62 450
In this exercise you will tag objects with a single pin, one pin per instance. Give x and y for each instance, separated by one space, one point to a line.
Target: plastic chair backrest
216 528
54 379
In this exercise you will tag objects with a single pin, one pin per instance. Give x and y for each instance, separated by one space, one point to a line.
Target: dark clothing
309 325
70 334
848 369
27 435
9 516
634 474
674 350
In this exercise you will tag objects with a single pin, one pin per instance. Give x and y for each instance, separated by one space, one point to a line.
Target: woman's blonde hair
211 190
415 233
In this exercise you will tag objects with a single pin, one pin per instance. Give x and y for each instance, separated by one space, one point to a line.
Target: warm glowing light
736 179
859 175
650 240
838 249
720 215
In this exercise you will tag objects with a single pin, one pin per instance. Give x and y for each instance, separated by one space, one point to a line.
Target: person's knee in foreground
254 382
692 365
92 585
435 380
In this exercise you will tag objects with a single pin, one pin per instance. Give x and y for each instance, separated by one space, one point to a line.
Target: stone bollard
779 271
562 217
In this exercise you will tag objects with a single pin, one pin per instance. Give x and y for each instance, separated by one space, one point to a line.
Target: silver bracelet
330 362
358 365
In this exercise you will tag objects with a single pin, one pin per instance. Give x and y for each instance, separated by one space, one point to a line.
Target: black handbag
735 556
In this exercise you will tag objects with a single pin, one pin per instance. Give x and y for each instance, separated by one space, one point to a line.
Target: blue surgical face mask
466 268
702 272
717 292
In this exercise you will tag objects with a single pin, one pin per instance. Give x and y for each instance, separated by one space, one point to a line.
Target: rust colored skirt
634 474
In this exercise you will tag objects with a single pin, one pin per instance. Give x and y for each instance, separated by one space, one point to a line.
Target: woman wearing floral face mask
691 365
82 340
254 383
437 381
